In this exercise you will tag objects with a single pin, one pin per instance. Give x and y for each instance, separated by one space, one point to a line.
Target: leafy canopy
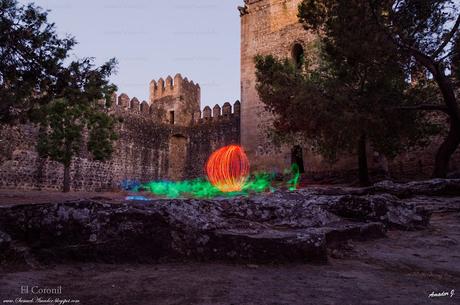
332 106
61 133
357 87
66 100
31 58
78 107
421 31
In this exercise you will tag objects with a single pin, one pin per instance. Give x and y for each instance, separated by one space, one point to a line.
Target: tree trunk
66 187
448 94
362 162
452 140
445 152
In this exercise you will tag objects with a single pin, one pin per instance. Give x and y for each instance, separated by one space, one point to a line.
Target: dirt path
401 269
38 197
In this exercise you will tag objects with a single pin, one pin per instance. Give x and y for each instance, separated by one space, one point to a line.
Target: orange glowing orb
228 168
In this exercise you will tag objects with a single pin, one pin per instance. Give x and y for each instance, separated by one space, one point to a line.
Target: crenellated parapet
218 114
176 87
134 104
123 101
174 102
123 104
145 108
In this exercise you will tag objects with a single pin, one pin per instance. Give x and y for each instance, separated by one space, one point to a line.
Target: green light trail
202 188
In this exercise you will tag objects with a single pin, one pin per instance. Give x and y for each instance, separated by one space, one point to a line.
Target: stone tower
267 27
175 101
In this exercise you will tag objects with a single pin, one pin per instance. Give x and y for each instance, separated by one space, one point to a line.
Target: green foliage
65 100
31 56
77 115
420 34
62 131
357 87
81 82
424 23
32 68
101 135
78 108
416 36
331 107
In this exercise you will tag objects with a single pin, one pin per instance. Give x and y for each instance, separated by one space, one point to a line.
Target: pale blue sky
155 38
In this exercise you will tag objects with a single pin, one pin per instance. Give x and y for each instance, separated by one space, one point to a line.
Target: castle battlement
217 113
124 104
166 95
176 87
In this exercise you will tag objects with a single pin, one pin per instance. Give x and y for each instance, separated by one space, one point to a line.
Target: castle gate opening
177 157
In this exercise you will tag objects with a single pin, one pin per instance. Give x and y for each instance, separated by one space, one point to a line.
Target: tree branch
421 57
448 38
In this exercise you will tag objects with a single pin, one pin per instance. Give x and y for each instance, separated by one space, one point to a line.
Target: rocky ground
387 244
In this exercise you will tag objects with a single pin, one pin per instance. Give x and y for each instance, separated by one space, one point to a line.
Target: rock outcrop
435 187
276 227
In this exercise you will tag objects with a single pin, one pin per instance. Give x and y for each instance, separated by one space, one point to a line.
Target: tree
36 84
75 112
422 32
31 55
339 107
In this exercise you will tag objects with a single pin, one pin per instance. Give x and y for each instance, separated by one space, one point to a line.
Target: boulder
384 208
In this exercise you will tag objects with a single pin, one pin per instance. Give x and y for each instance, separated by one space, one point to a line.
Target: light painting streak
228 169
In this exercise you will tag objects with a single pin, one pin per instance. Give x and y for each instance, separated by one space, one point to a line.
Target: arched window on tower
298 55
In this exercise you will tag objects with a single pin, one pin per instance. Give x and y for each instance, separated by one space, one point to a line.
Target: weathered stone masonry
165 138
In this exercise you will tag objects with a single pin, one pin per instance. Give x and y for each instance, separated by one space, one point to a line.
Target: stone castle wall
147 149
